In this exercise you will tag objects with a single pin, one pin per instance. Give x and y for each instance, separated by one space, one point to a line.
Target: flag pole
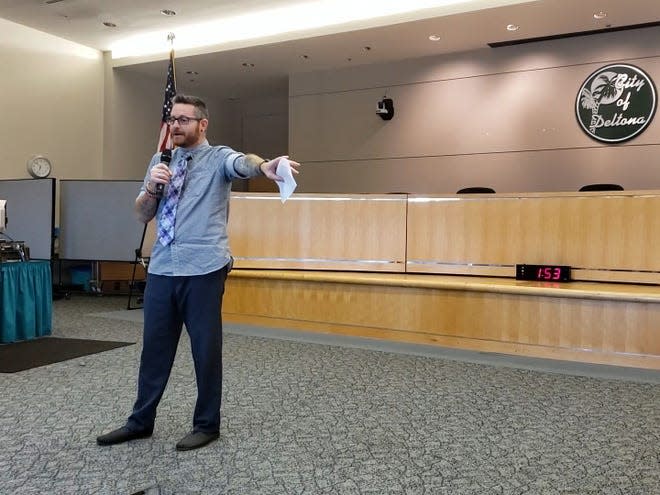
170 37
164 139
164 142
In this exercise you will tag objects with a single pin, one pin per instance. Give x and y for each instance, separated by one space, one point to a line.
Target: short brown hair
200 107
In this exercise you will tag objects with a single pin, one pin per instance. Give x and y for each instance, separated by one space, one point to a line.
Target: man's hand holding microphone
160 175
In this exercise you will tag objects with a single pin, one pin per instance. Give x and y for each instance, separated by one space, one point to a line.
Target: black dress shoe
196 439
121 435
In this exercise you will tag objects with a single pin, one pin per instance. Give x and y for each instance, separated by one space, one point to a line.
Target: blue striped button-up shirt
200 242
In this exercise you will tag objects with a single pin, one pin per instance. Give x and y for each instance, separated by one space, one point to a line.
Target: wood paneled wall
327 232
604 236
607 236
577 323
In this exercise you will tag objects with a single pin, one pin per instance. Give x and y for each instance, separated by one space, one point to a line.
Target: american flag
165 139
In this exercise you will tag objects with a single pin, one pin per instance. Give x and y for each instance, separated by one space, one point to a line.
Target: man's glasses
183 120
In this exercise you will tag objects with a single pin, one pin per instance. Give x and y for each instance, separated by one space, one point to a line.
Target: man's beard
189 138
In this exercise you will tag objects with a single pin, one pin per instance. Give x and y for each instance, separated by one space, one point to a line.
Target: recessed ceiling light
435 37
367 48
109 24
600 15
192 72
512 27
247 64
304 57
168 12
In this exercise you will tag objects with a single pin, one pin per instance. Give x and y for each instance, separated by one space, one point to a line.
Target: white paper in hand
288 185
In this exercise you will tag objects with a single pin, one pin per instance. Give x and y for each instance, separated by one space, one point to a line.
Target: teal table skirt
26 300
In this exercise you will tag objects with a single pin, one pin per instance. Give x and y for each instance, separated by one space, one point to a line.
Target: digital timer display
544 273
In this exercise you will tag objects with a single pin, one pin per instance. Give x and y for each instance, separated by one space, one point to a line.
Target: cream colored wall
132 121
132 118
265 132
52 103
266 126
502 117
225 121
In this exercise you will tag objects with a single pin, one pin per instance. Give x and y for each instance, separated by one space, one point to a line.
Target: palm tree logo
615 103
605 89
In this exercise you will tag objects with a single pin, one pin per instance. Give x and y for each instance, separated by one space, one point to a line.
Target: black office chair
601 187
475 190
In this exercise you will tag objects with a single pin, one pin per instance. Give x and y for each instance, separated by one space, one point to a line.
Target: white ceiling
220 69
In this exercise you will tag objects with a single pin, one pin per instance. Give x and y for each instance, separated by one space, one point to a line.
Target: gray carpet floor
305 414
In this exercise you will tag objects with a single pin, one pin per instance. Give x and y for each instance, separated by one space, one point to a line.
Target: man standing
187 270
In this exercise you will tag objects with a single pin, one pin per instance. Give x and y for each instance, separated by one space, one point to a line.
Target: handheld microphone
166 158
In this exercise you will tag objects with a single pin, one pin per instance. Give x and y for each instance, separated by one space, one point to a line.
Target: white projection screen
30 214
98 221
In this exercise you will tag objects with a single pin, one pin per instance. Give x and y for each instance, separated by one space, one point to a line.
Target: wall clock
39 167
